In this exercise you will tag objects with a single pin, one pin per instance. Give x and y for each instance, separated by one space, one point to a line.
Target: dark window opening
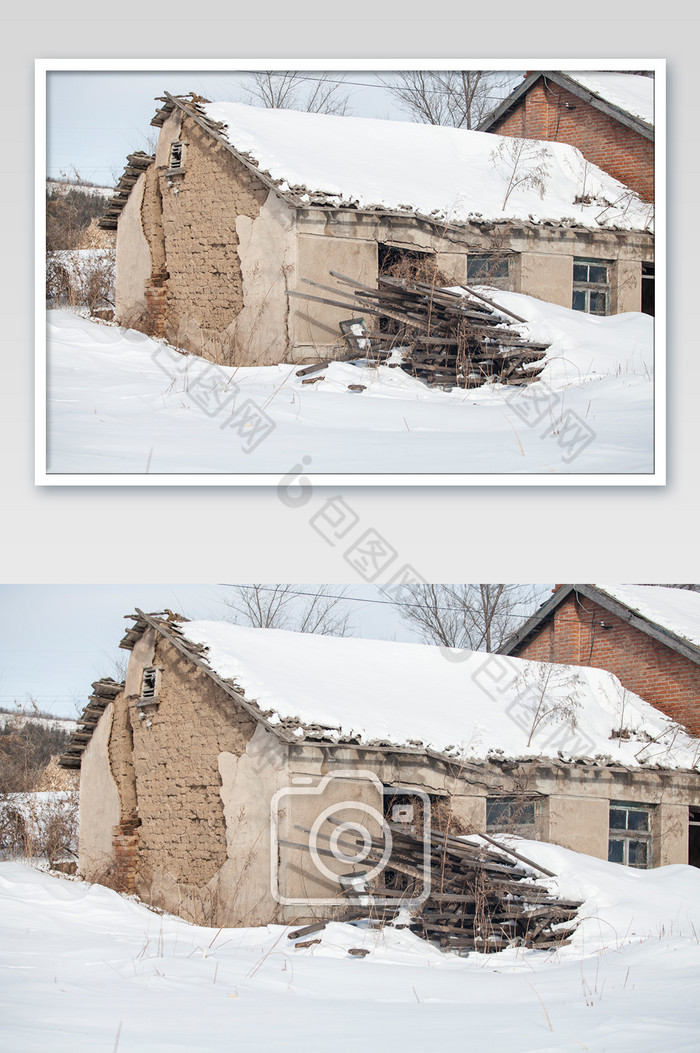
398 262
511 815
648 287
591 291
694 837
629 839
489 269
404 812
409 265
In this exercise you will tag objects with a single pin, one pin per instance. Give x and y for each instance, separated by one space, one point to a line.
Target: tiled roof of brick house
627 97
671 616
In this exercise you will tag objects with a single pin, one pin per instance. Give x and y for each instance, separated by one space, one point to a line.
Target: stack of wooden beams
446 337
479 898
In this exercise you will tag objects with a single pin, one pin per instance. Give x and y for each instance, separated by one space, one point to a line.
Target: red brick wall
542 114
574 634
126 856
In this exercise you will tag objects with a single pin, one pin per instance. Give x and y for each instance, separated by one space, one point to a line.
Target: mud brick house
242 207
647 635
209 774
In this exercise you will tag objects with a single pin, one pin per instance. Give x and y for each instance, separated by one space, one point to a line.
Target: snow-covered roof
675 610
458 703
632 93
446 174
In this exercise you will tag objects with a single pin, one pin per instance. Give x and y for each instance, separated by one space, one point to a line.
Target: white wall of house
99 802
133 258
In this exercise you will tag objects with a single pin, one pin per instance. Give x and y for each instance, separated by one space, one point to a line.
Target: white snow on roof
459 702
448 173
677 610
630 92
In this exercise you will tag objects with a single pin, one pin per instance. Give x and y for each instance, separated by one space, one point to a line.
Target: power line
382 86
352 599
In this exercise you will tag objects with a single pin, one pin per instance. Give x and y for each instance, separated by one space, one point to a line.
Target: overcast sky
95 118
56 639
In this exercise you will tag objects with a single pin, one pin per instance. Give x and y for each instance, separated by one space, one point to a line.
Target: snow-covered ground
18 720
84 968
121 402
64 186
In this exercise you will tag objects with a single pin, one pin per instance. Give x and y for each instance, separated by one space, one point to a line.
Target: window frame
627 835
179 146
498 281
514 805
148 671
587 287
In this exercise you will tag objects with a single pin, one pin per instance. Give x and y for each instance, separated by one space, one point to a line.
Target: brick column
156 296
126 855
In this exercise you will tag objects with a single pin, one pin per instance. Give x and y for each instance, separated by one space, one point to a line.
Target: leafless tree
456 98
521 163
27 743
548 694
298 90
477 617
304 609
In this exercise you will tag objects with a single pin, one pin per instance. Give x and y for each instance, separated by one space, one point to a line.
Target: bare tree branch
476 617
289 91
290 607
521 163
549 694
455 98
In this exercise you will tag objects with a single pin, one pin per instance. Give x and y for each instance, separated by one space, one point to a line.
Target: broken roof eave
179 645
136 165
598 103
476 764
614 606
104 692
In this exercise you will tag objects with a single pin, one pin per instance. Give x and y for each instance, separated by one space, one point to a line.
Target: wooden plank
492 303
307 930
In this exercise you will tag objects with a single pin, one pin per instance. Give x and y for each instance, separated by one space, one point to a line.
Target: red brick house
608 116
647 635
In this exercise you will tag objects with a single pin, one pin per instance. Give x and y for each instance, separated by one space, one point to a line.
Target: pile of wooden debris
476 898
445 337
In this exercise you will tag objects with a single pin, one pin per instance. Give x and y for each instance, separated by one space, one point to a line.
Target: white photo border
657 477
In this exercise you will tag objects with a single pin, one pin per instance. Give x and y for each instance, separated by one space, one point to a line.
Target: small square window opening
177 157
149 683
